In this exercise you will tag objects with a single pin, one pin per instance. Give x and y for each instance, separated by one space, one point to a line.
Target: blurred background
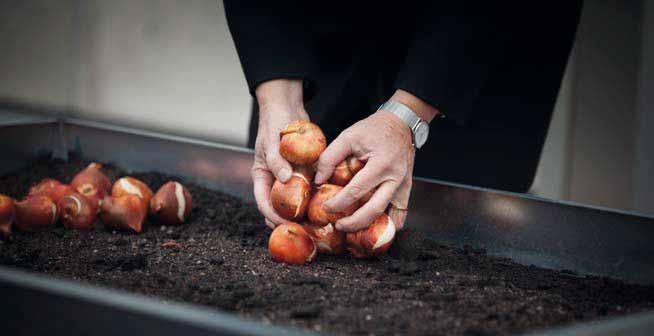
171 66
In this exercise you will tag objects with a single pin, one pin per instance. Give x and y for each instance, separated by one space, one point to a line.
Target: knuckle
344 134
258 174
377 208
385 166
353 192
398 170
393 180
255 171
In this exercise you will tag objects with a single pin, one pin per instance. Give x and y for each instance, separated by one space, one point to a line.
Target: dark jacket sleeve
452 49
270 44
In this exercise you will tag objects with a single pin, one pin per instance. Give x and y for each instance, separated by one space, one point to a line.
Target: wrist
280 95
421 108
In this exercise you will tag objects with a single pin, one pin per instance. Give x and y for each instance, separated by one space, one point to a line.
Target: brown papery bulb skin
125 212
93 175
290 244
92 193
328 240
172 204
36 213
374 240
317 213
77 212
302 142
345 171
51 188
44 187
129 185
7 215
291 199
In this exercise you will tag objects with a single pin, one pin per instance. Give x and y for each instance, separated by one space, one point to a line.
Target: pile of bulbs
301 143
90 194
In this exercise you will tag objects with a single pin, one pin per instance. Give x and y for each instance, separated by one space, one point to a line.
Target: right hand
280 102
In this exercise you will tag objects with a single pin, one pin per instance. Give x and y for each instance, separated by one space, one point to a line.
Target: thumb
278 166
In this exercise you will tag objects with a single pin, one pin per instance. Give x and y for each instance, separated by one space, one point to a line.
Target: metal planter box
527 229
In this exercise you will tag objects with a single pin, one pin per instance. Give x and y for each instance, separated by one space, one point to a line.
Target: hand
280 102
385 143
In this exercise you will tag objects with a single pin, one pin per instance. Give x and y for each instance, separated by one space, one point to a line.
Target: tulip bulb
374 240
328 240
35 213
129 185
77 212
172 204
318 215
51 188
289 243
291 199
7 215
345 171
92 183
93 175
302 142
125 212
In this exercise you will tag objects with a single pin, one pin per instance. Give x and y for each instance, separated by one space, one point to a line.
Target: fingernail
284 174
319 178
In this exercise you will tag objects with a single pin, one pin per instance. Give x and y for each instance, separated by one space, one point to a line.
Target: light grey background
171 66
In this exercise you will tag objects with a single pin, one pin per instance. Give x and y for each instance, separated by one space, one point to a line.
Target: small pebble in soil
312 280
216 260
306 312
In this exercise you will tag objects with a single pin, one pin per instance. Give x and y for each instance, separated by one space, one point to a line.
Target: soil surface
222 261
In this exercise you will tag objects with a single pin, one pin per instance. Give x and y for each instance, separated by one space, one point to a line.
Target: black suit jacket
493 70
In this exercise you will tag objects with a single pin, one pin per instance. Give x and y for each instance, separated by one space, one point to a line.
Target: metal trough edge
36 304
640 324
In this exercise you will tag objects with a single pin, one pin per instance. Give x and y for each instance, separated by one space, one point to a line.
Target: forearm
425 111
280 95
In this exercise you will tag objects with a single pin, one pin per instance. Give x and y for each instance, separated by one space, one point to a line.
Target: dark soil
222 262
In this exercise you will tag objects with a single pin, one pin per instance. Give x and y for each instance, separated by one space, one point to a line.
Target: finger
263 181
400 203
270 224
398 217
365 180
278 166
364 216
336 152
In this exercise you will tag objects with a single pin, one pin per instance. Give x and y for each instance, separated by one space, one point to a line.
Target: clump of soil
219 259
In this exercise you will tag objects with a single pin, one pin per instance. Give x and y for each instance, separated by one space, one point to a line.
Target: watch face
421 134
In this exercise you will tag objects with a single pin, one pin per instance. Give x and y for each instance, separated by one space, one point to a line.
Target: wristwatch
419 128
